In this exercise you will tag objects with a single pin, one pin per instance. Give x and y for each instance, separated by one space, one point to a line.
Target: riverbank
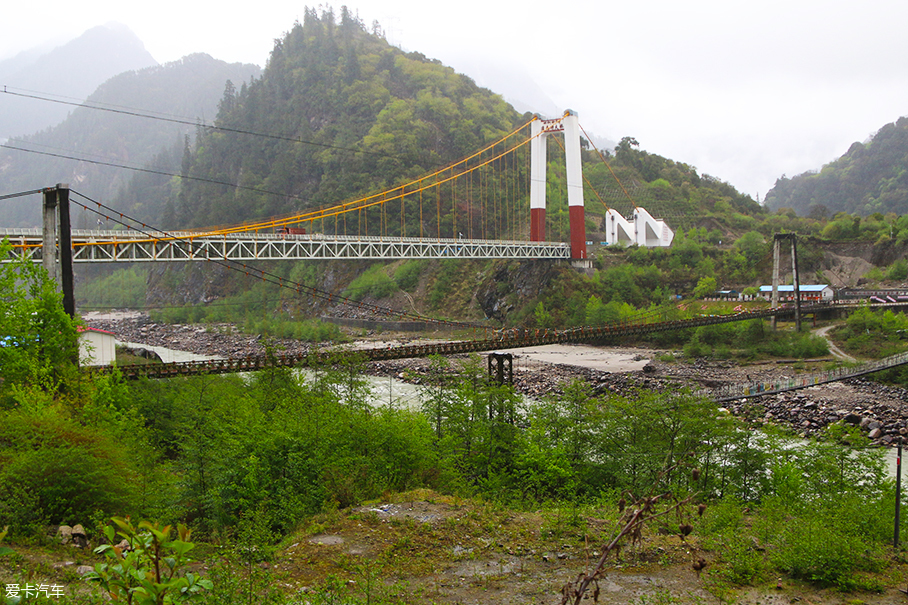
539 372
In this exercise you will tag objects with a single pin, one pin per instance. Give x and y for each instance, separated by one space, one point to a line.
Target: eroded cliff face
200 283
511 286
844 264
192 283
491 289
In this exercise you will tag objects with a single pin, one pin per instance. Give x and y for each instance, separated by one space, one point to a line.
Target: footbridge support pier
57 245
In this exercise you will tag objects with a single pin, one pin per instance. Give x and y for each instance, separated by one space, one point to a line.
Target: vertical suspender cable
453 205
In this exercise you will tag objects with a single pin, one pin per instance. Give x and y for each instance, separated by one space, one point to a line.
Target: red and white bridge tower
642 230
570 126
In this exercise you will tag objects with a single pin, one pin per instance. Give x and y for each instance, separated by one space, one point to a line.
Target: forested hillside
345 113
353 114
188 88
871 177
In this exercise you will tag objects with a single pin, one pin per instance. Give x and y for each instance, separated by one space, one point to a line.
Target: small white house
96 347
809 292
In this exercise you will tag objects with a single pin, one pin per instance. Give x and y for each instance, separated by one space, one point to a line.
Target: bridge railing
759 388
151 246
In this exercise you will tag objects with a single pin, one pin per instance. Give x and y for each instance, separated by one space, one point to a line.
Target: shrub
63 470
151 571
374 282
407 275
813 549
739 561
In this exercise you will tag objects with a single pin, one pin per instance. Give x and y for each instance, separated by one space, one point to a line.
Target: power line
265 275
147 170
187 122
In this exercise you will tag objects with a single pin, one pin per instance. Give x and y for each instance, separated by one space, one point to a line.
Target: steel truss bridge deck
130 246
519 338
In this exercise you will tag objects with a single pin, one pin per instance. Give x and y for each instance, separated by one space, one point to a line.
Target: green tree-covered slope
871 177
354 114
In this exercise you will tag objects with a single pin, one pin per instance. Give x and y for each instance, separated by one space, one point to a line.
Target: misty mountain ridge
73 70
871 177
185 89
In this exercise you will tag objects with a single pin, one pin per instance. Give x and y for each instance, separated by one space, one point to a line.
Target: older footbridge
520 338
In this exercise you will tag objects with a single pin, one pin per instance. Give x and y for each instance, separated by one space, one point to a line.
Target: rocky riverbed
881 411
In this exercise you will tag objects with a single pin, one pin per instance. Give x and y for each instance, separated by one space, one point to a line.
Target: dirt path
836 351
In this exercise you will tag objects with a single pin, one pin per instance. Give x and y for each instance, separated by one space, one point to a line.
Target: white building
809 292
96 347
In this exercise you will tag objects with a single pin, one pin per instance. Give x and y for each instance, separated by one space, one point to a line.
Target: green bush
63 471
751 339
152 570
407 275
874 332
898 271
374 282
739 561
813 549
39 340
308 331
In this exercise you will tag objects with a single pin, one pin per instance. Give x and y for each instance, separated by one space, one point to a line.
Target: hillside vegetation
872 177
263 466
343 90
352 113
470 490
338 112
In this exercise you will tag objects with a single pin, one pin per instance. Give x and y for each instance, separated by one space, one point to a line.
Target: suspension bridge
176 246
488 205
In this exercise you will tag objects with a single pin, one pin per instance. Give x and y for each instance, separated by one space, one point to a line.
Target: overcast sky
744 91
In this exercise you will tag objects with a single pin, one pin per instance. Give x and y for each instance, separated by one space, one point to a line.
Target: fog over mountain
72 71
189 88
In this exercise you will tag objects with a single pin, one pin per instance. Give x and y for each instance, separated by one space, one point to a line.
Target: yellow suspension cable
353 205
617 180
363 204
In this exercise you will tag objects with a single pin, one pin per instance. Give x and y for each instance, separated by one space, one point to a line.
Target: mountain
188 89
871 177
353 114
71 71
347 114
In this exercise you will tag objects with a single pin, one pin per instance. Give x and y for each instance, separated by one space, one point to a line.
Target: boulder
79 537
852 418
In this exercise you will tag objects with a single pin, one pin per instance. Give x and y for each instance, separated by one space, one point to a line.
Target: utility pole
797 280
775 279
56 205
